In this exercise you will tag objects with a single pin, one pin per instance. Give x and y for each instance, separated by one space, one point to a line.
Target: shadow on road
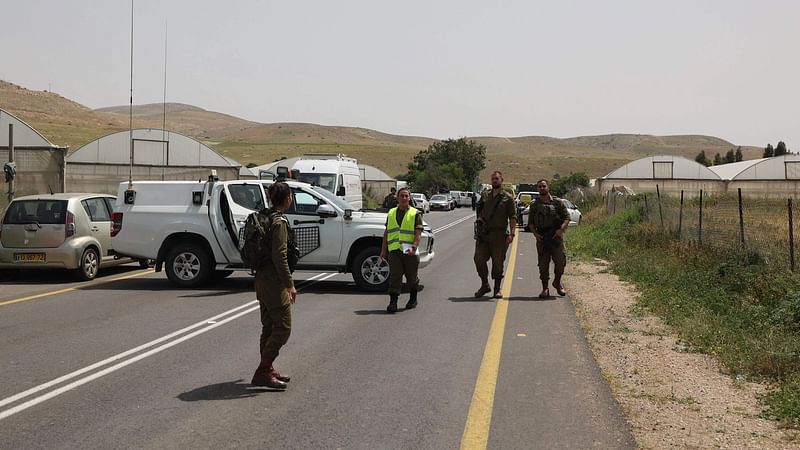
373 312
59 276
471 299
231 390
511 299
532 299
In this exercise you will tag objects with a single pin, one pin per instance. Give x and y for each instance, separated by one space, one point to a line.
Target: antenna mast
164 145
130 111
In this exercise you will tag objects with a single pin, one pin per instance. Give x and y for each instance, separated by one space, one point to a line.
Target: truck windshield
330 198
326 181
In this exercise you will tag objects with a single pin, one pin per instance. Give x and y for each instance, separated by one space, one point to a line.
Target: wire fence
720 222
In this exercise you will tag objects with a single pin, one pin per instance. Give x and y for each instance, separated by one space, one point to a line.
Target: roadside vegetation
734 305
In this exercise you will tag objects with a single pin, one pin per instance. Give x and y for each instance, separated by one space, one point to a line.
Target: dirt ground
671 398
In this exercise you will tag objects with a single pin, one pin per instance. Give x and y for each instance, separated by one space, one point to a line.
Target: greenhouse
39 164
101 165
672 174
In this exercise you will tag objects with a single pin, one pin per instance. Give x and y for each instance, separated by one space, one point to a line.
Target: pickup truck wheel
370 272
188 265
90 263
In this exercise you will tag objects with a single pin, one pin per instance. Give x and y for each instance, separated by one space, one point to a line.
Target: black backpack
254 241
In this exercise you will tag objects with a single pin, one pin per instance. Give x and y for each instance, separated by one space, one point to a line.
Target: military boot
392 308
263 377
559 287
497 285
412 301
280 376
485 289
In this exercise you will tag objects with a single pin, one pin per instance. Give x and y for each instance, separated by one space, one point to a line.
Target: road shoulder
670 397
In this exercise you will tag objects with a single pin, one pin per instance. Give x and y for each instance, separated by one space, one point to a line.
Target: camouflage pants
276 315
546 253
399 265
494 248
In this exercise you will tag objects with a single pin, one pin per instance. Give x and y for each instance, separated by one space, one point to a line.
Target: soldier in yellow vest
400 242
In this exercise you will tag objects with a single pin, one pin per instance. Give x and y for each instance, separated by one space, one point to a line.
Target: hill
523 158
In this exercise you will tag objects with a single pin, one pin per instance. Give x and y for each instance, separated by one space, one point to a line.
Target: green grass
731 305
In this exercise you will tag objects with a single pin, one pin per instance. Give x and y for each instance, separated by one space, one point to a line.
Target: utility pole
11 160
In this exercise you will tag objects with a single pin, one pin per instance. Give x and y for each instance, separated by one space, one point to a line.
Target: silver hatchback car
68 231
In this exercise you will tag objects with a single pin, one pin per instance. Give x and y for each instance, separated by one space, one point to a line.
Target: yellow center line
74 288
479 418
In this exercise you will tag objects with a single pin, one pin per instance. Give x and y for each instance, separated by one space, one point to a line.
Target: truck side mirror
341 191
348 214
326 211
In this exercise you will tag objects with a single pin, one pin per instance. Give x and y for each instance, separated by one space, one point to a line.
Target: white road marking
452 224
209 324
212 321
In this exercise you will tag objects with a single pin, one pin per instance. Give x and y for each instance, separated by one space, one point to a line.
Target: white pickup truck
191 229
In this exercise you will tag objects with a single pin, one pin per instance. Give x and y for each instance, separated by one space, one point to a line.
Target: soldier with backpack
266 249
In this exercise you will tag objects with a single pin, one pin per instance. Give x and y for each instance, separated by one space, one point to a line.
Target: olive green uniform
545 218
273 281
401 264
390 201
496 209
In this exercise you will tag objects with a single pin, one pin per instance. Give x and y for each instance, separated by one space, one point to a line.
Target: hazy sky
432 68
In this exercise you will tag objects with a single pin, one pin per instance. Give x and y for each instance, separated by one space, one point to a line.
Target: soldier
548 219
390 201
400 242
495 229
275 291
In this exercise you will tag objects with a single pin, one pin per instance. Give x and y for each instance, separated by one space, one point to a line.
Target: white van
337 174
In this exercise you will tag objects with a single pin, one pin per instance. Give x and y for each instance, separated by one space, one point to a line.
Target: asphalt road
129 361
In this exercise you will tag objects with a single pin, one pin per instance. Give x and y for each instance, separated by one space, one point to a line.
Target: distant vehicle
67 231
453 200
441 202
463 198
522 201
192 230
337 174
421 202
574 214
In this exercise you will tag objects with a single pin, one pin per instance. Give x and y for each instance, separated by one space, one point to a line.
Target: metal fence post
680 216
614 204
741 217
700 223
791 235
646 211
660 213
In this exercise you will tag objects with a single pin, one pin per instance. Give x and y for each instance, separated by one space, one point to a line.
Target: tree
738 155
717 159
730 157
769 152
452 164
701 157
561 185
781 149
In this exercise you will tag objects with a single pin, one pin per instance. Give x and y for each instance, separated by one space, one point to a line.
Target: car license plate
30 257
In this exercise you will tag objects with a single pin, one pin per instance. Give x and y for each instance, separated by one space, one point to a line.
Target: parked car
463 198
452 199
574 214
421 202
441 202
67 231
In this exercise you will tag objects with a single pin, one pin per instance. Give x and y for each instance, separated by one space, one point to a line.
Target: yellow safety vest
396 233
